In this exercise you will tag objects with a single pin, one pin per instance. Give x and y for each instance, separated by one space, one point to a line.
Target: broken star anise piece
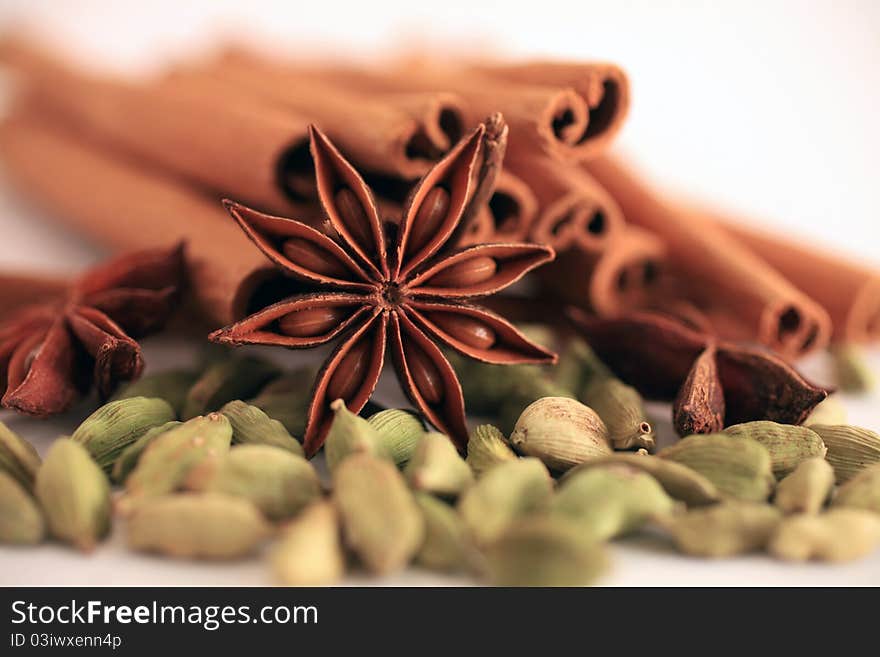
713 383
53 352
377 285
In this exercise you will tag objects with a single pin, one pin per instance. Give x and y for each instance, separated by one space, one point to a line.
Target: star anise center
391 295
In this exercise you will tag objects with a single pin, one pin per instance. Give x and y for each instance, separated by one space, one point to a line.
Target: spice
544 551
74 494
862 491
486 448
277 482
367 293
350 434
128 459
561 432
18 458
447 546
850 449
655 353
399 432
679 481
723 530
738 468
788 445
508 491
53 352
610 500
228 380
620 408
807 488
309 550
251 426
851 371
170 385
21 521
699 405
117 424
838 535
381 522
436 467
203 526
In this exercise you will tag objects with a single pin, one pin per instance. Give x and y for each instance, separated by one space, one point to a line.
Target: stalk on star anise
55 351
401 285
714 383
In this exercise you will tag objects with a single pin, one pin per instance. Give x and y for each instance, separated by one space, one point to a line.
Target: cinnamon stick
401 134
608 282
718 270
123 207
513 208
848 290
574 210
568 110
231 145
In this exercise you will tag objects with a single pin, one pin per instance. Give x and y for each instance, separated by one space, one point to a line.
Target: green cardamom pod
309 550
862 491
170 385
486 448
505 493
679 481
561 432
837 535
542 551
807 488
197 525
609 501
75 495
788 444
167 461
117 424
437 468
533 387
579 367
399 431
227 380
621 409
381 522
252 426
850 449
447 546
18 457
128 459
21 521
350 434
738 468
276 481
723 530
851 370
827 411
287 399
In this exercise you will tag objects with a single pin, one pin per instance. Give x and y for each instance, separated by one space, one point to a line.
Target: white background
765 107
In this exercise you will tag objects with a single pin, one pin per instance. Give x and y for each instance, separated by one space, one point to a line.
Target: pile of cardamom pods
566 467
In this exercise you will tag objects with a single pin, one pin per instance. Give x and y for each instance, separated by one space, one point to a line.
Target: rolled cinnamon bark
609 282
122 207
400 134
718 270
234 146
848 290
574 210
513 208
568 110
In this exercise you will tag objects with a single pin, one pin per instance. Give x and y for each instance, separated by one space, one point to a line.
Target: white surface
768 107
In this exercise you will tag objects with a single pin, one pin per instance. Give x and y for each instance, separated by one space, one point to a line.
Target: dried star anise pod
712 383
53 352
401 284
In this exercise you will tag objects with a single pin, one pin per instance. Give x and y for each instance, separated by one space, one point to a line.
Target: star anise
377 283
713 383
53 352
